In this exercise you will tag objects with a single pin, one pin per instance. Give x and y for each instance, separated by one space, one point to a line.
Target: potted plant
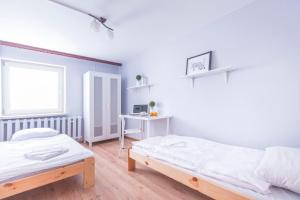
152 112
138 79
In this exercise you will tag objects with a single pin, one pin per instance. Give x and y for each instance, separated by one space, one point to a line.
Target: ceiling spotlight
110 34
95 25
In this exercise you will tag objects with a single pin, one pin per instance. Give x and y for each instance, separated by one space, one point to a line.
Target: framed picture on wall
198 64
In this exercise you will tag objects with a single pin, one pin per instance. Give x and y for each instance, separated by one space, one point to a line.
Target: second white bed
231 166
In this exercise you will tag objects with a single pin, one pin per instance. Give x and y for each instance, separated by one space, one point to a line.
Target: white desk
146 120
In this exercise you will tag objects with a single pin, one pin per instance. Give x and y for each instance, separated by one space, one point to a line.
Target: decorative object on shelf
144 80
152 112
138 80
198 64
141 82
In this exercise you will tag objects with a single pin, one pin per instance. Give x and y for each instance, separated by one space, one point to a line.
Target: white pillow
280 166
26 134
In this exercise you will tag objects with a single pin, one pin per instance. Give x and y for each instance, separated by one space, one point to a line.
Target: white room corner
112 100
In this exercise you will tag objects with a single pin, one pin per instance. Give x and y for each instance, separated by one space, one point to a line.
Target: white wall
75 69
260 106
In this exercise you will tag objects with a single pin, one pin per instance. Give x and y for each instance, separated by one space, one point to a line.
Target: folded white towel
174 144
170 142
45 153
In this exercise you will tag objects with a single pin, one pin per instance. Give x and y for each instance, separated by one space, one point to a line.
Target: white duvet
230 164
14 164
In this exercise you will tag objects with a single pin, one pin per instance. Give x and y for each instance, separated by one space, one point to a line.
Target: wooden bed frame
209 188
86 167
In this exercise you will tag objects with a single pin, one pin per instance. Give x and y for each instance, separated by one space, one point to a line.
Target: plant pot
138 83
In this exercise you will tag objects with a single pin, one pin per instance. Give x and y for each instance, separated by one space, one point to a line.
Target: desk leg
142 129
122 133
148 128
168 126
121 138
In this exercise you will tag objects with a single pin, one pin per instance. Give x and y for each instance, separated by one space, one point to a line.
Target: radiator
68 125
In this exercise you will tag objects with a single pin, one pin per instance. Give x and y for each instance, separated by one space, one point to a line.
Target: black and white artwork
198 64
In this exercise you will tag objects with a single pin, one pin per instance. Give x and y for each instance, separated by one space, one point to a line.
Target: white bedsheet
13 163
208 159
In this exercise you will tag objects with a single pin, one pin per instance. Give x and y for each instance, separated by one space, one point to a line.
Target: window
31 88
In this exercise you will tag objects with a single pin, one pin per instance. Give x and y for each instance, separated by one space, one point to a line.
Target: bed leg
89 173
131 162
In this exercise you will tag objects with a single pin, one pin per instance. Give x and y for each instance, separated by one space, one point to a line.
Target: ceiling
138 24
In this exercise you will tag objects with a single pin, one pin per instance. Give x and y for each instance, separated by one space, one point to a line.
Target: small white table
144 120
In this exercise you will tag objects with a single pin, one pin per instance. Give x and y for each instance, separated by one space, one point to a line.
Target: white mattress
188 158
14 165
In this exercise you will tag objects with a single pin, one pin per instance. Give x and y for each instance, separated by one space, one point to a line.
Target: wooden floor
114 182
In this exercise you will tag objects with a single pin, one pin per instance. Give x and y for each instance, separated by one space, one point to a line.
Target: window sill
7 117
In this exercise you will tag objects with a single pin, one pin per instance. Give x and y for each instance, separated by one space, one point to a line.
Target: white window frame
4 102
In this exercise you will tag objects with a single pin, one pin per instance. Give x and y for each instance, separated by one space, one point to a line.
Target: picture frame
199 63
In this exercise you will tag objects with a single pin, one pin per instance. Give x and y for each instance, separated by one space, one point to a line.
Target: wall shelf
140 87
225 71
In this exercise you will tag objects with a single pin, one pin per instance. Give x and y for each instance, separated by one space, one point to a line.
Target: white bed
202 158
14 165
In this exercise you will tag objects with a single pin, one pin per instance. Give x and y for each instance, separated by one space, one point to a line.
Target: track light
95 24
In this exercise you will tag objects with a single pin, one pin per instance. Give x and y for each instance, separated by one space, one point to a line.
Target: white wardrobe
101 106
